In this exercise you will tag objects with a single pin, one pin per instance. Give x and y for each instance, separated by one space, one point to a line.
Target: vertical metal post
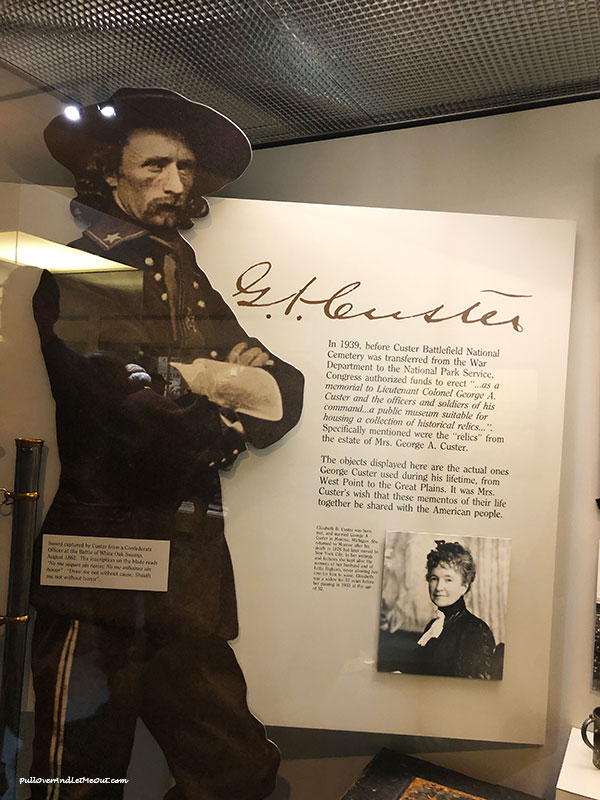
24 498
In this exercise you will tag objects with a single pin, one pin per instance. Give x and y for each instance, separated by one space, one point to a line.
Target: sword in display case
23 499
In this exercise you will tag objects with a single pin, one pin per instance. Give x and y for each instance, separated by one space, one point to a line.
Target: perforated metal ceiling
292 69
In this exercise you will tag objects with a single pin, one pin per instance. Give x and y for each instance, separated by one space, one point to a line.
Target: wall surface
541 163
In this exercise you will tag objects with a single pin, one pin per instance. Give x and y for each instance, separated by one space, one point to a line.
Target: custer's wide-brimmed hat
221 148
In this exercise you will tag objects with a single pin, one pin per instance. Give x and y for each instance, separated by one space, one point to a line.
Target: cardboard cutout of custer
157 388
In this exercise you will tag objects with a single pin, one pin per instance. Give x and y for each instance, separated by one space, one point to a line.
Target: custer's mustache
161 205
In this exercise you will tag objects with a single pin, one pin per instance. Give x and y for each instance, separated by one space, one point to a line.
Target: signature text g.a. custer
256 293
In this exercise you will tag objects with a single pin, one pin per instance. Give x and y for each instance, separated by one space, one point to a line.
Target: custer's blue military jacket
135 464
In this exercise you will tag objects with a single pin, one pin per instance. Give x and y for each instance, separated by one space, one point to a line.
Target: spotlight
107 111
72 113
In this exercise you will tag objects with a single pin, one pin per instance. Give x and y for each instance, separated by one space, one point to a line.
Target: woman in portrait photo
455 642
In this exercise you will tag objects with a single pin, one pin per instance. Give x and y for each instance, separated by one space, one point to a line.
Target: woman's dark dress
464 648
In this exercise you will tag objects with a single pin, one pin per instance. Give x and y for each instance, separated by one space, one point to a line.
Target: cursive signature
251 285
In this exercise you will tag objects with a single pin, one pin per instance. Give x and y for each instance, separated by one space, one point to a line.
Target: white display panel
342 292
309 600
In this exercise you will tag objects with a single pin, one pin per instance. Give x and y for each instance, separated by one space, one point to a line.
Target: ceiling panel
288 70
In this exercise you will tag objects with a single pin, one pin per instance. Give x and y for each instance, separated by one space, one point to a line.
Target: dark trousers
93 682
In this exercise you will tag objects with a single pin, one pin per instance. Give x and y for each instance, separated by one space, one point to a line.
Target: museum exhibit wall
540 163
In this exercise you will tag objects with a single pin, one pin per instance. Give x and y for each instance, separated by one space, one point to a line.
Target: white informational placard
434 349
105 562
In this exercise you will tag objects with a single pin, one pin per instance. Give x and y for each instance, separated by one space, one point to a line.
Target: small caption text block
105 563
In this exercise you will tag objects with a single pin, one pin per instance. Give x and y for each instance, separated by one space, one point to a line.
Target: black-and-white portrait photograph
443 605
